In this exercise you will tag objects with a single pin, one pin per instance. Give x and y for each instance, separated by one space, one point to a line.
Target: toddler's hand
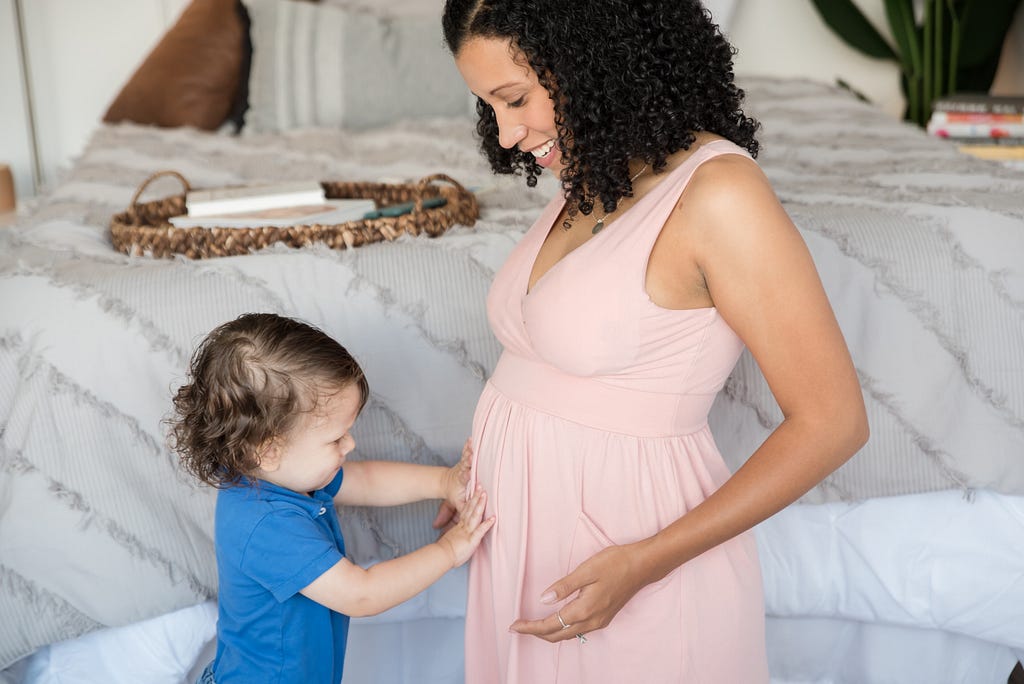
462 539
457 477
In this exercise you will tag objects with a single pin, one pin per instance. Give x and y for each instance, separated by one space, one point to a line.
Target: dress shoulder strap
671 189
667 193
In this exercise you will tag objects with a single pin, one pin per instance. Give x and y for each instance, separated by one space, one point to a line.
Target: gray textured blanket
921 250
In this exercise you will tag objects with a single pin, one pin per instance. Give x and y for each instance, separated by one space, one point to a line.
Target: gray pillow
348 66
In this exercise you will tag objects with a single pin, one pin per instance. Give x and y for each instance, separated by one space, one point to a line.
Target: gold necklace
599 224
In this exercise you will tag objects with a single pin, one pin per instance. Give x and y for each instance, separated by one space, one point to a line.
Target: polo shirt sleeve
286 551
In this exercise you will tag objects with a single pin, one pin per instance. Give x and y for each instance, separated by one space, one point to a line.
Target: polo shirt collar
313 504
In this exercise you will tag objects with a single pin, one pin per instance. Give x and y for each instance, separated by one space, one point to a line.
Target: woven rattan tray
143 228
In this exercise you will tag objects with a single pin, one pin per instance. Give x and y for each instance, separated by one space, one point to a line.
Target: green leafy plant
955 47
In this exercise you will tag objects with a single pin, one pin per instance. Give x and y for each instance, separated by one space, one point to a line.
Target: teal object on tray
404 208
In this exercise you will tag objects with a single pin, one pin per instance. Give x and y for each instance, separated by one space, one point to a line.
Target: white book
219 201
974 130
325 212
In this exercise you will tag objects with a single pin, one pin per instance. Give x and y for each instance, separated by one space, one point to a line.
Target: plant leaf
985 25
985 28
905 30
850 24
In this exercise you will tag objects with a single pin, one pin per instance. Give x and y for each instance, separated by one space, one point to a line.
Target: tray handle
427 180
145 184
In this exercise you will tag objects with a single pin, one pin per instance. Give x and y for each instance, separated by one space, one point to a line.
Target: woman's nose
510 135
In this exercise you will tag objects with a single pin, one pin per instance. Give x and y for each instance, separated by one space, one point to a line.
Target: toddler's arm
388 483
357 592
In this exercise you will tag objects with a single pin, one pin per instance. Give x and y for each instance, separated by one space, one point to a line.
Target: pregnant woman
622 549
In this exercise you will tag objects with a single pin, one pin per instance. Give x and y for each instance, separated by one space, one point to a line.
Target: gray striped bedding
921 251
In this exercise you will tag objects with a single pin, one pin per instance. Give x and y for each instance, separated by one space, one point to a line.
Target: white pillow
334 66
161 650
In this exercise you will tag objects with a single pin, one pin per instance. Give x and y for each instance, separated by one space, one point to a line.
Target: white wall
82 51
15 149
788 38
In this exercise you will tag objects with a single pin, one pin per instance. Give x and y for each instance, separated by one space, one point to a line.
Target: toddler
266 417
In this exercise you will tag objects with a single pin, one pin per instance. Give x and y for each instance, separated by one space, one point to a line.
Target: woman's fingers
559 626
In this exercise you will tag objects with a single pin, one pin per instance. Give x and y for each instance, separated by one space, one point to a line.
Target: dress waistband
597 404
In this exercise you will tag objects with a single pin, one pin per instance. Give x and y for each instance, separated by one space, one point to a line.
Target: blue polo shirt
271 543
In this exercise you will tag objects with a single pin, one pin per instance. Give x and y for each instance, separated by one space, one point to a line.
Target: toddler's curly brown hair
249 383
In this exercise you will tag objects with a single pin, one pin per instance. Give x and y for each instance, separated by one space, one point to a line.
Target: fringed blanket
921 250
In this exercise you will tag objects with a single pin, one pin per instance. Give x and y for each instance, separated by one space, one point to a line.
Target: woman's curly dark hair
250 380
630 79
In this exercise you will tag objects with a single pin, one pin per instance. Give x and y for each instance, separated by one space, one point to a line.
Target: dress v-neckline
529 290
536 253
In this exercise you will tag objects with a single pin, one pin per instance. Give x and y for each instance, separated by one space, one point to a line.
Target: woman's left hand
606 582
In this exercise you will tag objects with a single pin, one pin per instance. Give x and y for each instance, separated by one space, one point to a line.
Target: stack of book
281 205
986 126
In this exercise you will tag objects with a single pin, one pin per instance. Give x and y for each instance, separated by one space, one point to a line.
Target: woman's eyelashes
518 103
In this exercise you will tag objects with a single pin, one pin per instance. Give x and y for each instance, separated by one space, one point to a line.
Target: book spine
235 191
975 118
1006 105
987 142
995 152
234 205
980 131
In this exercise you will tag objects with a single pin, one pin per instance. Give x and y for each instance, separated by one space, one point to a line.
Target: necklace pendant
598 227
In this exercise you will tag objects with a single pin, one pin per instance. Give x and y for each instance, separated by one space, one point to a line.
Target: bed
904 565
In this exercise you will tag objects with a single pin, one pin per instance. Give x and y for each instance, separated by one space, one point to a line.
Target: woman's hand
606 582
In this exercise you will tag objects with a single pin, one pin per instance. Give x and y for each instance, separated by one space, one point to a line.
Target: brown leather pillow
196 74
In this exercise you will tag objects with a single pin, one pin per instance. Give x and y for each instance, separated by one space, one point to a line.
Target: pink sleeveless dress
593 431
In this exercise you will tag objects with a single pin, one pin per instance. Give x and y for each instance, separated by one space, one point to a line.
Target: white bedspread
903 568
935 561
